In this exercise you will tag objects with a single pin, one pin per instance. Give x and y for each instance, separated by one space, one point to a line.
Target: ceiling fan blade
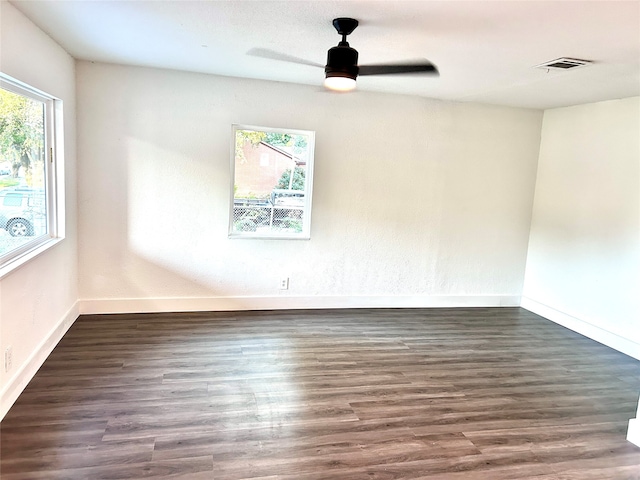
423 67
282 57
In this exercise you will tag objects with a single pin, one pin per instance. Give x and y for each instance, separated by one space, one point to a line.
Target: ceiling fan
342 67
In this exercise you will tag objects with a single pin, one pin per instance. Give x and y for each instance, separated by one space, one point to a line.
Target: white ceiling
485 50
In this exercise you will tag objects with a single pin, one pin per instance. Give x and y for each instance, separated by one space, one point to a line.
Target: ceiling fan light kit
340 84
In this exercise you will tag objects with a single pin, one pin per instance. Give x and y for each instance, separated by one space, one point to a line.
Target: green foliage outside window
298 179
21 135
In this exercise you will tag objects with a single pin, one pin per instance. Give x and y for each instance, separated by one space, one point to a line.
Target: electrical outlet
284 283
8 359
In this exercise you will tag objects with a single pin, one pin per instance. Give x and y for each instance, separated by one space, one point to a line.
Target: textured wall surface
412 197
38 300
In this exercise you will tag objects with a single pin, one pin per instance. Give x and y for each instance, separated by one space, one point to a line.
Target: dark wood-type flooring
334 394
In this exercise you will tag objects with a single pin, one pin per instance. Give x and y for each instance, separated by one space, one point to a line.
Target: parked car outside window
23 211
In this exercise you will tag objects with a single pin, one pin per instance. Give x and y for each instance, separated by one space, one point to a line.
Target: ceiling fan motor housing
342 61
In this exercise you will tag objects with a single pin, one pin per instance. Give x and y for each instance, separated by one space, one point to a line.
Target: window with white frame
27 169
272 179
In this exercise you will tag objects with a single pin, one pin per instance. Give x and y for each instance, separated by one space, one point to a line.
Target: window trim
308 186
18 256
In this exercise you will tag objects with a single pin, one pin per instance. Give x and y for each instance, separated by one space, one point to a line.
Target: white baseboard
25 373
203 304
633 434
583 327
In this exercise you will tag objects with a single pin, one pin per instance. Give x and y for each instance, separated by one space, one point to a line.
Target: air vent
563 64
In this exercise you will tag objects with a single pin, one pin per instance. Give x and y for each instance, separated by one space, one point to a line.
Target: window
272 177
27 169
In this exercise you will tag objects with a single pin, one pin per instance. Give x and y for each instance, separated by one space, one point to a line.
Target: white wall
38 301
416 201
583 266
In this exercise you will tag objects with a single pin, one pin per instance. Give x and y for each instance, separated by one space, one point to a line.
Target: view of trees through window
271 189
23 212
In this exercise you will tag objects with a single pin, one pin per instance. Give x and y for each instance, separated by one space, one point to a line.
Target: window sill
17 262
268 236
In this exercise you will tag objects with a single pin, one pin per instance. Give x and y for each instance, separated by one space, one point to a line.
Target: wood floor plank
157 469
376 394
